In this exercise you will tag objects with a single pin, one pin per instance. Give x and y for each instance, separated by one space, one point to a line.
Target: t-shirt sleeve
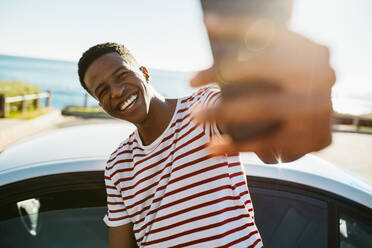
116 213
207 97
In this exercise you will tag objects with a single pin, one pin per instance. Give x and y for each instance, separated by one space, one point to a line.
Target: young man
164 187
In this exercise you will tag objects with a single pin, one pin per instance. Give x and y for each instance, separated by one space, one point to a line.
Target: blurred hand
274 56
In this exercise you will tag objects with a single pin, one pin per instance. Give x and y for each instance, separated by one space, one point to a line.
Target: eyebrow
118 69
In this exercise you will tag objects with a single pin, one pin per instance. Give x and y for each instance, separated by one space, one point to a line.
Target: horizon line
73 61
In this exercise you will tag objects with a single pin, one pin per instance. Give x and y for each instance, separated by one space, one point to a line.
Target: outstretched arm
272 55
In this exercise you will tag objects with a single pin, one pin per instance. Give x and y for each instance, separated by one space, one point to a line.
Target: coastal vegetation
84 109
85 112
17 88
29 115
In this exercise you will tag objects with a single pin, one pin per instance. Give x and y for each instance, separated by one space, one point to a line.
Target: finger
263 150
220 145
297 72
290 51
268 157
252 29
239 27
204 77
313 133
266 107
228 148
225 144
291 144
287 158
328 72
285 146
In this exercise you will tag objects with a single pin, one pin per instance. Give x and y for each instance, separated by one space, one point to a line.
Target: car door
294 215
63 210
66 210
355 226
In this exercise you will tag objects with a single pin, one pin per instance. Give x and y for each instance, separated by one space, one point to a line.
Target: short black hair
98 50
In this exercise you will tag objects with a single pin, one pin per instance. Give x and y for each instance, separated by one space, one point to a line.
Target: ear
145 73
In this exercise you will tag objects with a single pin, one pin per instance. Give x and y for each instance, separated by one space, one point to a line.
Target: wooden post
37 103
23 104
86 100
356 122
48 99
3 106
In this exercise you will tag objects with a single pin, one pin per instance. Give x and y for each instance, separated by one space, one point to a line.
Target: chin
139 120
134 119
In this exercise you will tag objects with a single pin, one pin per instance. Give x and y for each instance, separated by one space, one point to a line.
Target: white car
52 194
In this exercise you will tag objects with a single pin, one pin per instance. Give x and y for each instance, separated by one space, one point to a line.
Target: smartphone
278 11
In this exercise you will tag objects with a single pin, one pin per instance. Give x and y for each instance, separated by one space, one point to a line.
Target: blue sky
345 27
162 34
168 34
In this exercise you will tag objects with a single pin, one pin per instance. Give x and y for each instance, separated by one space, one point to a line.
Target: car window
354 231
63 210
290 220
78 227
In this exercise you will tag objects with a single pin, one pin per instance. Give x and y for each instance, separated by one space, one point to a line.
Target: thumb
204 77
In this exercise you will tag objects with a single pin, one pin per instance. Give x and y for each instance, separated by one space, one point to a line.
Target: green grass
28 115
365 129
17 88
84 110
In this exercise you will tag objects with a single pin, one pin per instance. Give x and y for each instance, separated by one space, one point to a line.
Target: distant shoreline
60 76
40 58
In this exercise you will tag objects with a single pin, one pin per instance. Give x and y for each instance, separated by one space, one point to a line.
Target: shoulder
203 95
207 96
122 154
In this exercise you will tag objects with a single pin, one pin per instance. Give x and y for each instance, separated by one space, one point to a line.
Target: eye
102 93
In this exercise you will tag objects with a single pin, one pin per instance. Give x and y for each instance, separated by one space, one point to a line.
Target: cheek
105 104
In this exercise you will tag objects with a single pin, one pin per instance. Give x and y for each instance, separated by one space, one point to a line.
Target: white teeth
128 102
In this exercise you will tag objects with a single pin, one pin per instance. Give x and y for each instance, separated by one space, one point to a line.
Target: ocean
61 78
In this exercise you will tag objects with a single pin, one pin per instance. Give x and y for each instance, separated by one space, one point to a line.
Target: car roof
85 141
87 147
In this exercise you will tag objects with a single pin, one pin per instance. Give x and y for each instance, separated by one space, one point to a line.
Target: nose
117 90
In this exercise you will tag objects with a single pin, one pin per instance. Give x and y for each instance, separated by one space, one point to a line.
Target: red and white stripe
175 192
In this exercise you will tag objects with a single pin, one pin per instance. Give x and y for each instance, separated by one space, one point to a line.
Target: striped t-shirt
175 193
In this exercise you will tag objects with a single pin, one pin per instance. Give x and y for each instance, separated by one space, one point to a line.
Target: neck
160 114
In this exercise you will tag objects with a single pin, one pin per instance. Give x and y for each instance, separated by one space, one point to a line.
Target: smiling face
121 89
